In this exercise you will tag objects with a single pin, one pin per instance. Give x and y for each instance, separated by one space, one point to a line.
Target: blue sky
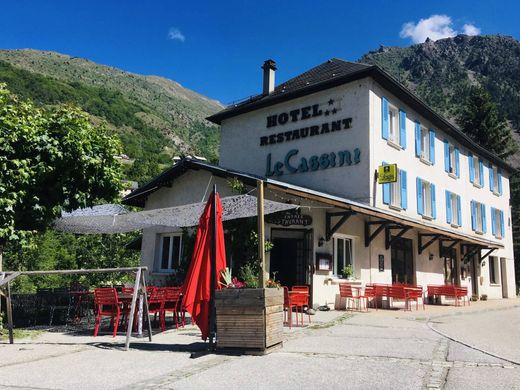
217 48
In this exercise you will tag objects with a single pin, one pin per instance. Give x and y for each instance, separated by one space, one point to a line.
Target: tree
480 119
50 159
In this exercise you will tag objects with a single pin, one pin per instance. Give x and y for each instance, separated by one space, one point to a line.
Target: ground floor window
402 261
170 251
343 250
493 269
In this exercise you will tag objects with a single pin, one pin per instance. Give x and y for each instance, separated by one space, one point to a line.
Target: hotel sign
387 174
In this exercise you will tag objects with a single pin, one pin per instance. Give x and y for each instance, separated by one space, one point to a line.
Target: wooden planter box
249 318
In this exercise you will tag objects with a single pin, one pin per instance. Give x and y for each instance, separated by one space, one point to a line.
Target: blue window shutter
499 181
448 207
502 232
473 215
481 171
484 227
418 139
459 211
471 168
432 146
457 161
493 222
402 129
490 168
385 116
434 207
404 185
446 156
419 195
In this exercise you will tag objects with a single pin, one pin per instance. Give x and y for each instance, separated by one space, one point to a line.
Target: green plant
272 282
347 271
249 275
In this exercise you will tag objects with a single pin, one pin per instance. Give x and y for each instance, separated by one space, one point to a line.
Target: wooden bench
449 291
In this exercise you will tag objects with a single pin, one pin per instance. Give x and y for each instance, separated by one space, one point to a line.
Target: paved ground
379 350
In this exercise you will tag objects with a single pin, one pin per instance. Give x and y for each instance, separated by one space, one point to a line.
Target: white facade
272 142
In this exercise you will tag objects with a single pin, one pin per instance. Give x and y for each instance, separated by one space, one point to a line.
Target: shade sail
196 289
116 219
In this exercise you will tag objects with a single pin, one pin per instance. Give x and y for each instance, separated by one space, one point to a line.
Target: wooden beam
77 271
9 278
422 246
370 236
10 314
261 230
389 239
146 307
491 250
330 230
132 308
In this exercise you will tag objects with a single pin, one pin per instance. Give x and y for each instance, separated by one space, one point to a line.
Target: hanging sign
387 174
289 218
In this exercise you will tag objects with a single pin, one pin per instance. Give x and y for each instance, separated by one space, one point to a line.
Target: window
395 194
497 222
495 180
342 253
476 170
451 159
478 217
393 124
170 252
426 199
493 269
453 210
424 143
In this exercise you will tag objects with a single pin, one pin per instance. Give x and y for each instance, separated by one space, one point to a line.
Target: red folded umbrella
197 285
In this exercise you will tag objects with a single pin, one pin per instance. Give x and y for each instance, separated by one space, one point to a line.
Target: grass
336 321
19 334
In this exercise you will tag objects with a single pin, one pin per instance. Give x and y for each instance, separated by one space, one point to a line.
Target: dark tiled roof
332 70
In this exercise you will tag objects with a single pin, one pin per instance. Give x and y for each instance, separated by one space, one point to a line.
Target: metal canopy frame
329 229
139 287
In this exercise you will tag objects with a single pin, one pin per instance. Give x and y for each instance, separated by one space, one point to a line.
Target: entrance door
449 256
474 275
288 258
503 277
402 261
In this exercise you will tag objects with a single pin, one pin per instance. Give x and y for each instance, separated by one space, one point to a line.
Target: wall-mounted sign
381 261
289 218
323 262
387 173
293 164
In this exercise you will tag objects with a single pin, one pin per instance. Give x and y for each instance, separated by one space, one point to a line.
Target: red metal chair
370 293
300 299
156 306
172 300
107 305
345 291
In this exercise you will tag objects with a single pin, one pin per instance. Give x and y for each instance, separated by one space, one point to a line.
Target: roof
337 72
138 197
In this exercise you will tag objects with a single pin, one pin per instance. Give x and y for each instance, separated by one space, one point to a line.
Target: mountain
441 71
156 118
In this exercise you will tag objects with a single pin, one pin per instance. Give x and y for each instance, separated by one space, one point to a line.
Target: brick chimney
269 68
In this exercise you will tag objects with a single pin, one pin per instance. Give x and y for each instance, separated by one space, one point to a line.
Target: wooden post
261 230
213 272
145 298
9 314
132 308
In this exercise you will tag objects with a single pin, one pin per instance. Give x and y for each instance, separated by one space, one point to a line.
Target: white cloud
176 35
470 29
435 27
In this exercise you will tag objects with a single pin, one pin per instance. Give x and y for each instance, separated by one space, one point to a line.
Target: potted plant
347 272
248 318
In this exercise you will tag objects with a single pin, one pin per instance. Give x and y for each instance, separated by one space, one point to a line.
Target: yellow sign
387 173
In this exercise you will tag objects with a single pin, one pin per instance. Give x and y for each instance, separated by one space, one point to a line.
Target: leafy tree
480 119
50 158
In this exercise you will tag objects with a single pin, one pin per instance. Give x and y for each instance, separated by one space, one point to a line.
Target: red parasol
197 285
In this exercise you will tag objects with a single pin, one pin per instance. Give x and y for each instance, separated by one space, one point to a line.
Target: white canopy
112 218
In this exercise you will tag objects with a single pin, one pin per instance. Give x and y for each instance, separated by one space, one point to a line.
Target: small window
425 142
497 222
476 179
427 198
395 191
342 253
170 252
453 212
393 125
493 269
478 217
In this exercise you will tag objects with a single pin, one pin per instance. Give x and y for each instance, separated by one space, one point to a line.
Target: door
402 261
289 257
475 271
449 256
503 277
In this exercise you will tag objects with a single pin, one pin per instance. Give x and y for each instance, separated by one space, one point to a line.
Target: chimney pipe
269 68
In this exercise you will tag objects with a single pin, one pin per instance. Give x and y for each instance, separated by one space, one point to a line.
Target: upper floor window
393 124
495 179
453 209
451 159
426 205
478 217
395 194
343 253
424 143
497 223
476 170
170 251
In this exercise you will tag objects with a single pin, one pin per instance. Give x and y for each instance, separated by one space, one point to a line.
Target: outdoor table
125 297
78 299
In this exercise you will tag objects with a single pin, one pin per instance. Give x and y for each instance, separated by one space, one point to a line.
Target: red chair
288 305
156 305
172 300
300 299
107 305
345 291
370 293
